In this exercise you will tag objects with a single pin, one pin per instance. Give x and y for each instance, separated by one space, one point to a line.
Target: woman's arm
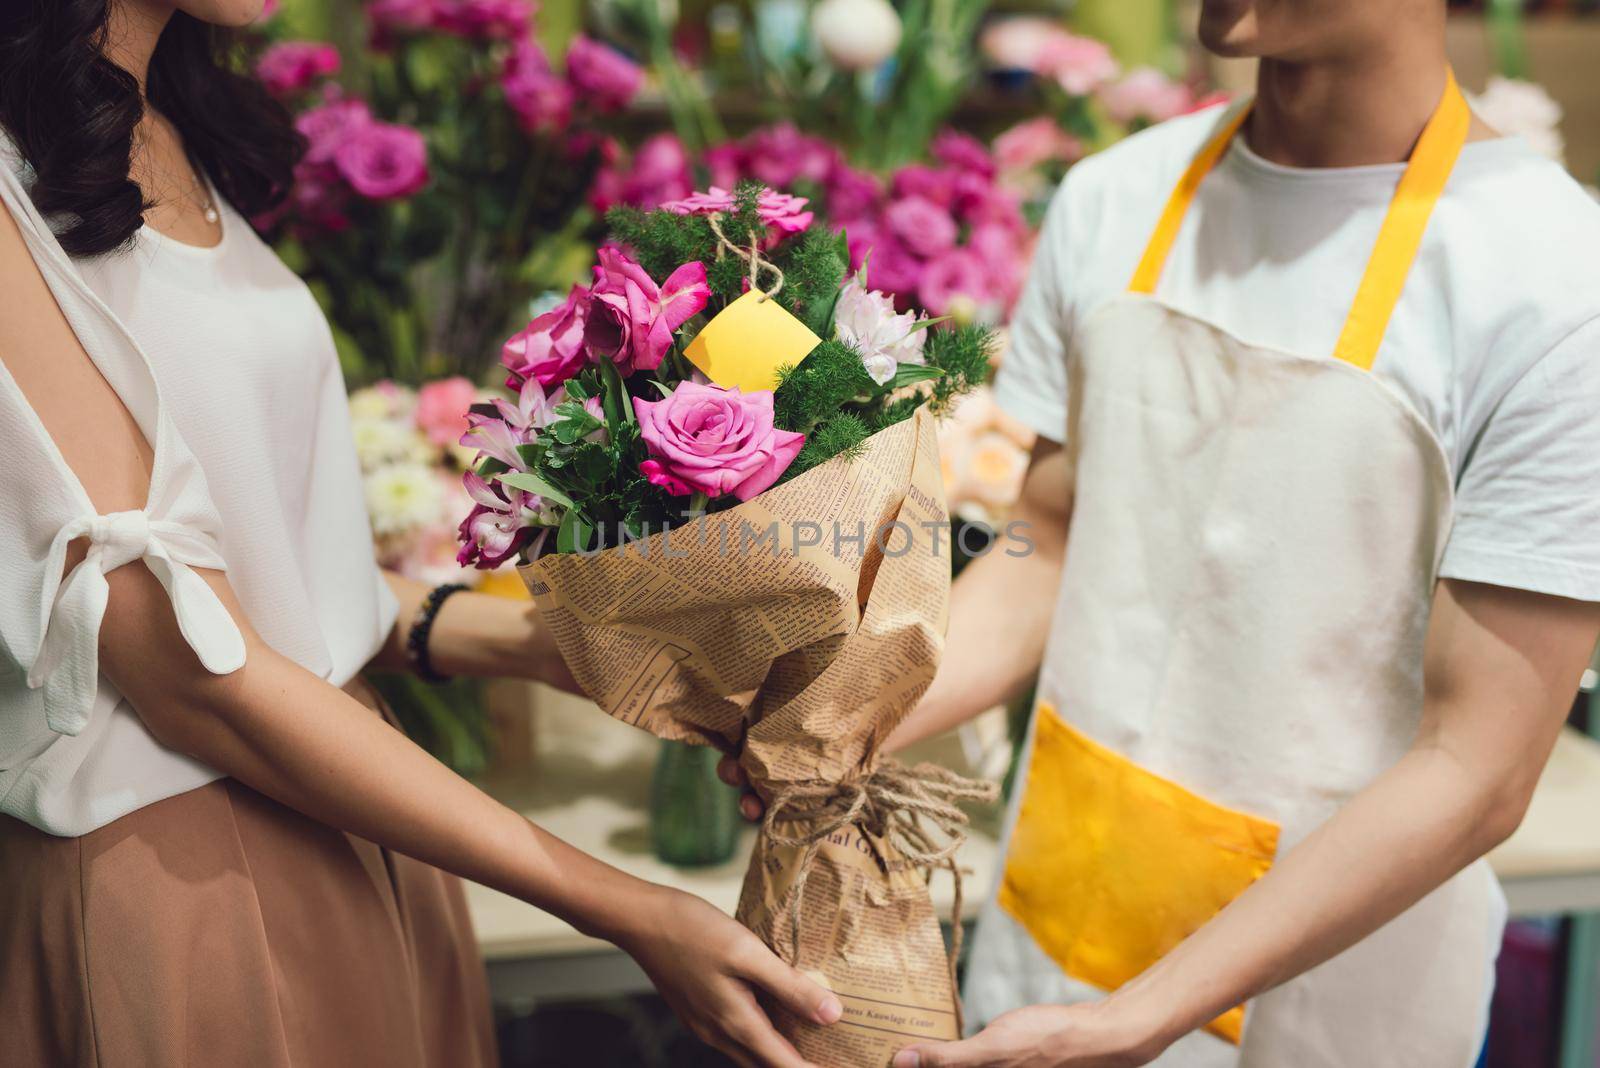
476 634
1501 667
294 737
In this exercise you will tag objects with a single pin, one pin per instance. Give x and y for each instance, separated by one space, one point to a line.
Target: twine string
752 256
916 810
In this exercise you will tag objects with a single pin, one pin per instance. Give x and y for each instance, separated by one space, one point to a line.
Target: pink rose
328 126
1033 142
631 319
1145 95
963 152
852 195
550 349
784 213
706 439
1079 64
483 20
600 73
384 161
921 225
958 273
441 412
541 98
293 65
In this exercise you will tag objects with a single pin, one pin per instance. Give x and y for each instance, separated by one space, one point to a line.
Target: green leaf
529 453
907 374
532 483
574 532
490 467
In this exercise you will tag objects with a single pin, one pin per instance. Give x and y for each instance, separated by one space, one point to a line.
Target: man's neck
1347 112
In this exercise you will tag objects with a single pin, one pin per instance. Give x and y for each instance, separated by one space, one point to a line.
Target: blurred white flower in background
403 496
984 453
1523 109
383 440
856 35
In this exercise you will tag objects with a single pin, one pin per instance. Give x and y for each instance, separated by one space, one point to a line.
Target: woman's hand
1043 1036
708 968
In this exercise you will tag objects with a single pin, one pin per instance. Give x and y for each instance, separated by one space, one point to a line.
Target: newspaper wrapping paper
796 629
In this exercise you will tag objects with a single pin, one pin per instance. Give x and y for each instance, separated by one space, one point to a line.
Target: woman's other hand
709 969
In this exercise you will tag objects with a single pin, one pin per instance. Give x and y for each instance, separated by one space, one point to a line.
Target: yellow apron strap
1407 218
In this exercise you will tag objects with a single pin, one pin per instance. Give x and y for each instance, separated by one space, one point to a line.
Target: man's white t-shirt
1495 341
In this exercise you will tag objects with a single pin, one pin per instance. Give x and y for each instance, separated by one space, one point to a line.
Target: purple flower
605 77
706 439
383 161
503 522
550 349
784 213
541 98
921 225
631 319
328 126
963 152
292 66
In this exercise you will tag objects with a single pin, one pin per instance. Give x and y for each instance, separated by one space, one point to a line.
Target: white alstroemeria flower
866 320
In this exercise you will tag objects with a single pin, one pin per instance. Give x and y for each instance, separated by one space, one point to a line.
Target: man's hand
1095 1035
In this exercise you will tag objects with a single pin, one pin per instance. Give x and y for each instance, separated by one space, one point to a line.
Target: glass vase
694 816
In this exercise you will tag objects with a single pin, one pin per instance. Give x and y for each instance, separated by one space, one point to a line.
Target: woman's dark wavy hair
72 113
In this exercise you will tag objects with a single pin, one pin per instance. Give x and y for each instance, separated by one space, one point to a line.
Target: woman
214 849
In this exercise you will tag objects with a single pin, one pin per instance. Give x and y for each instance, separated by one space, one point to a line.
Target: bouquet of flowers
721 475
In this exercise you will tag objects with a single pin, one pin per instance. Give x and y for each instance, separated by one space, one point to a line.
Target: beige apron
1237 651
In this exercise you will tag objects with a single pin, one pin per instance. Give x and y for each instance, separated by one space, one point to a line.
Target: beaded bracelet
422 626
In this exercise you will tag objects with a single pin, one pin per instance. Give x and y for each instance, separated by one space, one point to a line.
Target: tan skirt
220 928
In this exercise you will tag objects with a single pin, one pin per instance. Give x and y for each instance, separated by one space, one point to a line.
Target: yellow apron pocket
1111 866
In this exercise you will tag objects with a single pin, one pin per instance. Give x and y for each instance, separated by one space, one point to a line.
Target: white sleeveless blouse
224 359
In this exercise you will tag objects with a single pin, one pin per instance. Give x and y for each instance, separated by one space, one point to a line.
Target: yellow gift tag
748 341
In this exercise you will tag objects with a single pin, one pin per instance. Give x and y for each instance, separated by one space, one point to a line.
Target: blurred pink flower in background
852 195
383 161
442 405
1147 95
541 98
291 66
329 125
950 278
963 152
603 75
984 454
1033 142
1080 65
658 171
497 20
631 319
550 349
921 225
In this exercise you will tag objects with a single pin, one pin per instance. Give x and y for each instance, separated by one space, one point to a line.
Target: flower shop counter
587 780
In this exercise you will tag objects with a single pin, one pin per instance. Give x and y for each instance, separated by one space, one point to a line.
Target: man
1317 512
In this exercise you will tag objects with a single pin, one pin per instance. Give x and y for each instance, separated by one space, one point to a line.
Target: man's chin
1228 28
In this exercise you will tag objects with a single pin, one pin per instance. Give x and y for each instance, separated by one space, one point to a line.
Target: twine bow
752 256
908 807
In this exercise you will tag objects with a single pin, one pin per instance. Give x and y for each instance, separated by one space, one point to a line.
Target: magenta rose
706 439
384 161
784 213
483 20
963 152
540 97
289 67
550 349
606 77
328 126
921 225
631 319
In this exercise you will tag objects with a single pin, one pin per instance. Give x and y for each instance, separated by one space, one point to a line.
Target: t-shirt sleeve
1528 497
1032 383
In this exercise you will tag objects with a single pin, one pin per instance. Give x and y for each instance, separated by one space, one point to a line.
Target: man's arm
1000 607
1502 667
